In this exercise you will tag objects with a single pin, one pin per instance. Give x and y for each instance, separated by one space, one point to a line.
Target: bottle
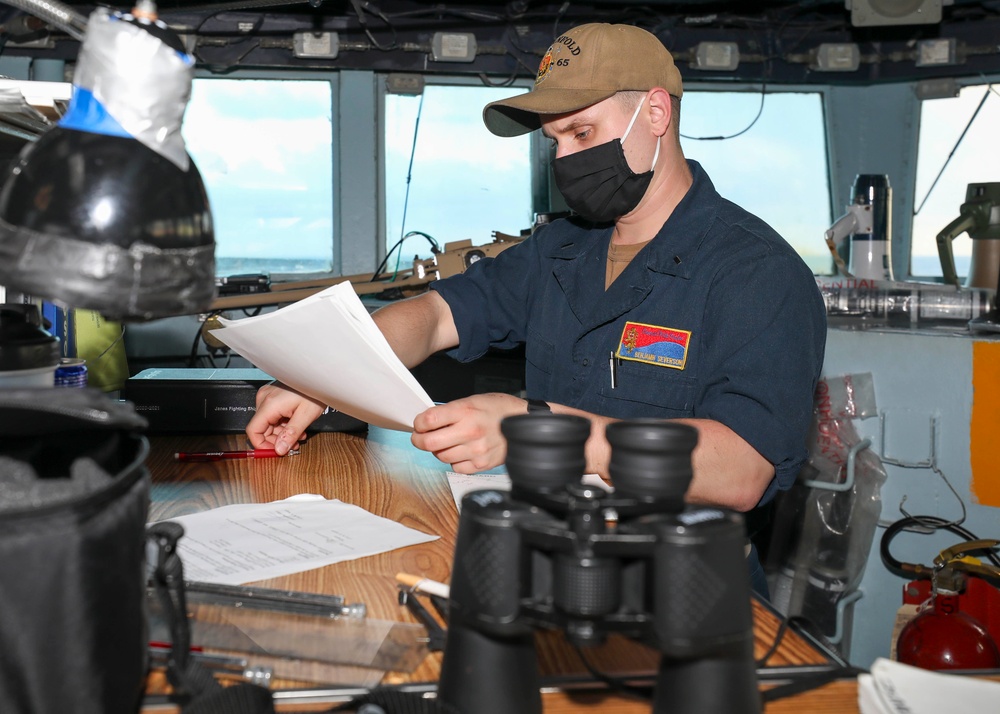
29 354
871 239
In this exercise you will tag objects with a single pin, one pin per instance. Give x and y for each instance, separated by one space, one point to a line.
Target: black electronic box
210 401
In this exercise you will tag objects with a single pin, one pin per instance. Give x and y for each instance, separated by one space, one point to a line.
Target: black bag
74 495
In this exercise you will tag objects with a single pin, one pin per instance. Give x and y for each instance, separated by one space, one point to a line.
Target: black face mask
598 183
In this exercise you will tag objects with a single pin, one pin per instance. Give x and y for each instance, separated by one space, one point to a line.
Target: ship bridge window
446 176
767 154
267 150
965 125
264 149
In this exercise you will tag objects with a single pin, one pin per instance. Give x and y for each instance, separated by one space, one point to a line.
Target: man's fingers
294 430
436 417
259 430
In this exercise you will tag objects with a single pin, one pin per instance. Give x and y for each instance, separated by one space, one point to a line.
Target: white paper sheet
243 543
461 484
328 347
896 688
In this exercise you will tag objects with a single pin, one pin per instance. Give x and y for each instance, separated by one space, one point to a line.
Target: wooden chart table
383 473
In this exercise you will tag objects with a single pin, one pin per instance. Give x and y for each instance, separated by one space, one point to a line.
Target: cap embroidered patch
544 67
662 346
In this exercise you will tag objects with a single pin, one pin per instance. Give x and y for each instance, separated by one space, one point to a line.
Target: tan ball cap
582 67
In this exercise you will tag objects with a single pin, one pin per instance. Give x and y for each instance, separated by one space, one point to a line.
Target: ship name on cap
570 43
547 61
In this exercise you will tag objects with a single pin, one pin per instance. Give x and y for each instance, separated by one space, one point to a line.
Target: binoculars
556 554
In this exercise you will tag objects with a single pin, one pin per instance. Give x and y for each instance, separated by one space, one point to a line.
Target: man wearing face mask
659 298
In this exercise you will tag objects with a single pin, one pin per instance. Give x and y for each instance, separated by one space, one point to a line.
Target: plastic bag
824 526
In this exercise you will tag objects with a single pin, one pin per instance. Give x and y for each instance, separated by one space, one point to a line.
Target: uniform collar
688 224
579 243
674 249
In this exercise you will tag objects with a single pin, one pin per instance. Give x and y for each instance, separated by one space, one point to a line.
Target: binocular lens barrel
545 452
651 459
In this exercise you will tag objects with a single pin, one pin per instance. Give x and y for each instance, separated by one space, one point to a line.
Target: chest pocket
539 352
539 356
665 392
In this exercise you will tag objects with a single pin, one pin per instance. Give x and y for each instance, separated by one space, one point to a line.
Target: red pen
226 455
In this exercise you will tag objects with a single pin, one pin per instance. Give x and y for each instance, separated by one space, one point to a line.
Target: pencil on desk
421 584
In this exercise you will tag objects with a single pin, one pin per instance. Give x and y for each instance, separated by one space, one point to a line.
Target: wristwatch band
537 405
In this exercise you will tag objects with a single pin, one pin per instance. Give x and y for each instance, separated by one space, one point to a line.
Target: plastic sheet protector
299 646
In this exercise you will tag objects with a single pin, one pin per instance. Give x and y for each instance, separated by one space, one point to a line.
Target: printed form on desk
896 688
243 543
328 347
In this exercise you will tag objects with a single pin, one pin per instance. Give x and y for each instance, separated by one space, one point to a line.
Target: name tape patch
663 346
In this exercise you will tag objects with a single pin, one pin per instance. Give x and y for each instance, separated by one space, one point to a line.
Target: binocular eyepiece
650 458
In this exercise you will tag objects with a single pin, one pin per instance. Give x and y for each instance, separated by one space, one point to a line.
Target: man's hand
466 432
282 418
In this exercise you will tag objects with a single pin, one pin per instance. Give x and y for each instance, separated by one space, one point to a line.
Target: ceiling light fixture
838 57
718 56
453 47
937 53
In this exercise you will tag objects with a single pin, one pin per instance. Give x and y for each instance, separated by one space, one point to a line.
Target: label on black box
210 401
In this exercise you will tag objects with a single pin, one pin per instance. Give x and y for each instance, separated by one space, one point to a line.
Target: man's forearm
418 327
728 471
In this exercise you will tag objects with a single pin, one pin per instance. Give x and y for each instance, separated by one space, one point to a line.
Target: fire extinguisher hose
919 571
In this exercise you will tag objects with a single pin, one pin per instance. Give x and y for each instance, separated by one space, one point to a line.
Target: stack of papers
328 347
895 688
244 543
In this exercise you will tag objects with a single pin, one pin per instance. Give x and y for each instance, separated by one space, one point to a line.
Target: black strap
244 698
538 406
806 682
389 700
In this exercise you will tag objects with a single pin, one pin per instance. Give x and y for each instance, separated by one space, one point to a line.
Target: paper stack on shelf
895 688
328 347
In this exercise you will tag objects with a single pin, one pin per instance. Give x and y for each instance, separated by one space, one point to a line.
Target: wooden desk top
384 474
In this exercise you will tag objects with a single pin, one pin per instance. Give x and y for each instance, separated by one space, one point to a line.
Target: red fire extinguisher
943 635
